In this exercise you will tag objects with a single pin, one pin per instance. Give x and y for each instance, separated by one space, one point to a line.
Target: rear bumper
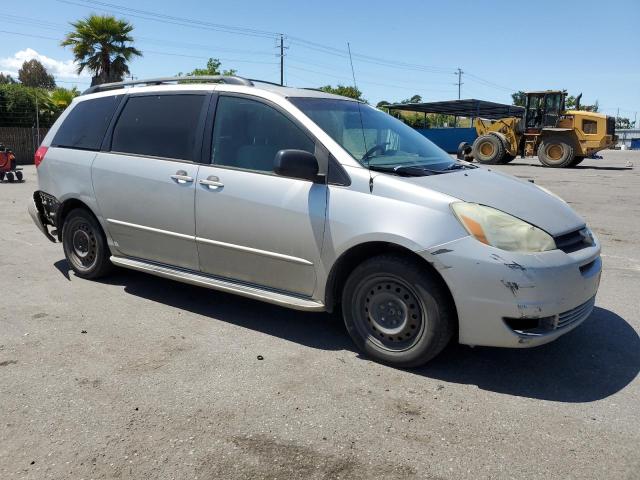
39 216
507 299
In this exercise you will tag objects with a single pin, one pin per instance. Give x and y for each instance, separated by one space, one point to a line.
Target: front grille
576 314
540 326
572 241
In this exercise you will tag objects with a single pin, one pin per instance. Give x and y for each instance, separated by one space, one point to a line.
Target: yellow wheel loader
560 138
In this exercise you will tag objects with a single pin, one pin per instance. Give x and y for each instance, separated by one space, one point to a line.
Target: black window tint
159 126
248 134
86 124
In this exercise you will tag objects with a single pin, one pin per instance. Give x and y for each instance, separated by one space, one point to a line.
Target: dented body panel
489 285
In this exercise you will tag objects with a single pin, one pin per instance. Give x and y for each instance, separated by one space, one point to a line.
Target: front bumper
495 291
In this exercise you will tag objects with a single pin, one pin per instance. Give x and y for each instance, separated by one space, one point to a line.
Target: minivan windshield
375 139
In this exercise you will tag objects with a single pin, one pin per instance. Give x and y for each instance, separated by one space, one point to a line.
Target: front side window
247 134
159 126
372 137
86 124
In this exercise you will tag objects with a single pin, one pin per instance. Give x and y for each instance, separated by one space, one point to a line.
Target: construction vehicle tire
1 176
556 151
19 175
10 177
507 158
488 149
576 161
464 151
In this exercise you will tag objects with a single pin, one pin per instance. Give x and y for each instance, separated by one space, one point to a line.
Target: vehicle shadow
577 167
314 330
594 361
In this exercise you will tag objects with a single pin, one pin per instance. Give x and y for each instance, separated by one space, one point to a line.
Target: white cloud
58 68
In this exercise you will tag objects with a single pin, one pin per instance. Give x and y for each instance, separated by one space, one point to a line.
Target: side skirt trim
224 285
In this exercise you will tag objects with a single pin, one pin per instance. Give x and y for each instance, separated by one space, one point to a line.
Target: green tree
62 97
382 103
414 99
6 79
102 45
519 98
19 104
34 74
345 91
212 68
571 104
624 123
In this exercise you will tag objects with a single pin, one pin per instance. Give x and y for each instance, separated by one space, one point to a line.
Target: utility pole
281 59
37 121
459 72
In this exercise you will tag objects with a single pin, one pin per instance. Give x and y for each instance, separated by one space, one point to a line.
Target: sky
400 48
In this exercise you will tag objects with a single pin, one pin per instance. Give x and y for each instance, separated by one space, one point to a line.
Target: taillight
39 156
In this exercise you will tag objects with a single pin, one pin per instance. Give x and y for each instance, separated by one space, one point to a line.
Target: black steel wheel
85 245
396 311
391 313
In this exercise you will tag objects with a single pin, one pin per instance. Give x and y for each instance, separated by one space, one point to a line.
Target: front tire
488 149
397 312
85 245
576 161
556 151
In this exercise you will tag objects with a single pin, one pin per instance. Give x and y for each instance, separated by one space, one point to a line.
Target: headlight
501 230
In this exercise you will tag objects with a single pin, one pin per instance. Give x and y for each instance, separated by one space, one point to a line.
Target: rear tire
19 176
10 177
1 176
556 151
85 245
464 151
507 158
488 149
396 311
576 161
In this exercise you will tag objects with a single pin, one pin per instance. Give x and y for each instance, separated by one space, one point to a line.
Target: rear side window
86 124
159 126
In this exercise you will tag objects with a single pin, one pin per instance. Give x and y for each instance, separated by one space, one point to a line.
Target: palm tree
102 44
62 97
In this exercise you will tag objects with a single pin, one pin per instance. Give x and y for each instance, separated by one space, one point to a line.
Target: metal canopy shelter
463 108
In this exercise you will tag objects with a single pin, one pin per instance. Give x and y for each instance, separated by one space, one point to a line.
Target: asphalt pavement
141 377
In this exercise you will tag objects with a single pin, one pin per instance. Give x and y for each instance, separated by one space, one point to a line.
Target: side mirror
296 164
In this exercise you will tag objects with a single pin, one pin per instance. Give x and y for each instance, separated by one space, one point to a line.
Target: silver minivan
314 202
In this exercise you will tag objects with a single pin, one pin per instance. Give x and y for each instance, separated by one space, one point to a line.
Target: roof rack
231 80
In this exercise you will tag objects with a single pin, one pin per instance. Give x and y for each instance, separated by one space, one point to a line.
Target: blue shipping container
448 139
635 144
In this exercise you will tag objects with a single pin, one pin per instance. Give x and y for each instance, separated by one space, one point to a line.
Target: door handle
182 177
212 182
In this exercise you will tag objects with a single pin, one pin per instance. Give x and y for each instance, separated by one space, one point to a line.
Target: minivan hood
516 197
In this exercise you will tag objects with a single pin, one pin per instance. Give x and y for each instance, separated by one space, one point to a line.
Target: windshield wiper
459 166
405 170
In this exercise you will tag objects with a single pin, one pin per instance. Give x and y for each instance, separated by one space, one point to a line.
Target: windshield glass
372 137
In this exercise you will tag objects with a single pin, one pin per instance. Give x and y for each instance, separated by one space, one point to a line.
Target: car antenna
364 138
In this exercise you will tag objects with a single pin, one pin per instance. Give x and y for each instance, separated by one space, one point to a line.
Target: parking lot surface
140 377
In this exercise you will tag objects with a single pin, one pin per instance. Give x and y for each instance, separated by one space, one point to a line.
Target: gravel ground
140 377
